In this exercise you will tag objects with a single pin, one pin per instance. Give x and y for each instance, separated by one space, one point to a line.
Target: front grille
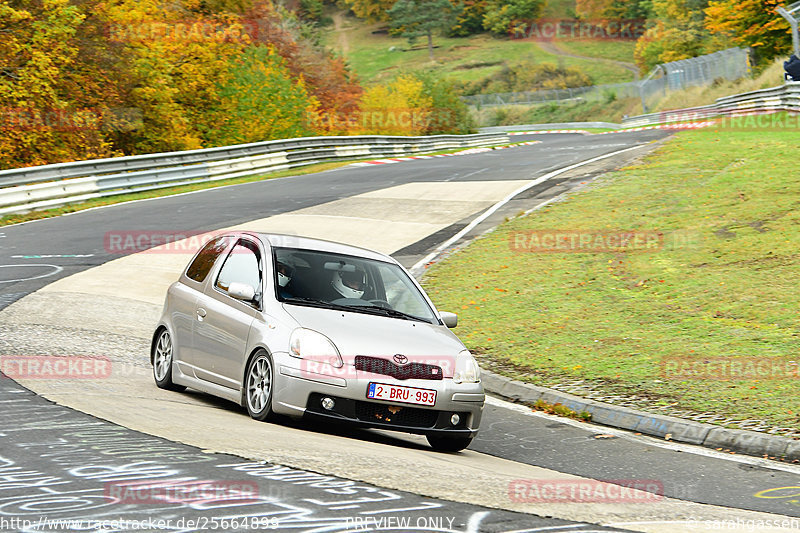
403 416
376 365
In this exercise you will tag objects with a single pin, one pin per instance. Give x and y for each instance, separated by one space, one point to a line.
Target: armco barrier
783 98
41 187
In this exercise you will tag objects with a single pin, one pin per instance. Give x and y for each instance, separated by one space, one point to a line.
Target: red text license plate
394 393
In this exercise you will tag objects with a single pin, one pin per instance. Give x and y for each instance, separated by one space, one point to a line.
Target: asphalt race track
65 291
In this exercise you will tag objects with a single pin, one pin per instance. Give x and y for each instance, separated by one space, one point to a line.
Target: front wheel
162 363
258 386
448 444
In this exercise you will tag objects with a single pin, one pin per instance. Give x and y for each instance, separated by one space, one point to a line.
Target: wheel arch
154 340
256 349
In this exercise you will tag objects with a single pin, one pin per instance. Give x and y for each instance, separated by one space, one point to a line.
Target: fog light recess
328 403
455 419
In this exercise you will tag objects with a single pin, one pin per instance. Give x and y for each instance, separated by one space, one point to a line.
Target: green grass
592 111
614 111
724 284
617 50
379 57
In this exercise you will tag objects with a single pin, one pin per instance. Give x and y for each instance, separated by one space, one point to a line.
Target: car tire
162 362
448 444
258 386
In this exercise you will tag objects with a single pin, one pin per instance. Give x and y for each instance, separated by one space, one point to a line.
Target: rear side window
202 264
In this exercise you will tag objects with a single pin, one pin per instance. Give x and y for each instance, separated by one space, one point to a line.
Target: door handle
201 312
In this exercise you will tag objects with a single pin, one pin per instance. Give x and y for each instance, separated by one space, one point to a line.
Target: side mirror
241 291
450 319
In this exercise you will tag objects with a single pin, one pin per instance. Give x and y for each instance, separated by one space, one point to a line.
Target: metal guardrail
46 186
549 126
783 98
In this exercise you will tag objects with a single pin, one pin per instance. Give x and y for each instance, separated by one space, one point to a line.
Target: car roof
278 240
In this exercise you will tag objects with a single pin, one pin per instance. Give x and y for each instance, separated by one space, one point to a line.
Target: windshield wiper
314 302
388 311
370 309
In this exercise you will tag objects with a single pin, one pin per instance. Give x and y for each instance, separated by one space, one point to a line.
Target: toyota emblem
400 359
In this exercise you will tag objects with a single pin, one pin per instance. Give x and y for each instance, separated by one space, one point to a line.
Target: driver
350 284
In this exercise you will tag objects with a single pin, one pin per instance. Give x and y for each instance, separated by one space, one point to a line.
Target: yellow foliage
399 108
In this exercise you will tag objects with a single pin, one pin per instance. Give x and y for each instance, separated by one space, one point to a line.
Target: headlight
308 344
467 369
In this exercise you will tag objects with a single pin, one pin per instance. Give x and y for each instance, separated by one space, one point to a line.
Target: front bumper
410 419
300 392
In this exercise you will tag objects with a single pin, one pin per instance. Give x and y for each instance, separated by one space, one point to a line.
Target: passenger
285 273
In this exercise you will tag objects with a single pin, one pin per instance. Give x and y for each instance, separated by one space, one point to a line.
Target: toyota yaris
317 330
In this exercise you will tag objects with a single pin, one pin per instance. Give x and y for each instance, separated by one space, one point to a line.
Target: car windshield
344 282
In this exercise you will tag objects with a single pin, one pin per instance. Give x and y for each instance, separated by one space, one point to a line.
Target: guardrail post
789 16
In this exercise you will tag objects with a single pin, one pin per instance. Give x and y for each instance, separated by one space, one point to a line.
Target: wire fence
730 64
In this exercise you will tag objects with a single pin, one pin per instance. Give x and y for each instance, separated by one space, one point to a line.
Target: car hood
377 336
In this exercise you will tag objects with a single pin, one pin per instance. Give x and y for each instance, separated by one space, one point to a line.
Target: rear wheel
448 444
162 362
258 386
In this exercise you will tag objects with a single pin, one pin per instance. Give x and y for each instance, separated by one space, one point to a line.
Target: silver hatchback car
314 329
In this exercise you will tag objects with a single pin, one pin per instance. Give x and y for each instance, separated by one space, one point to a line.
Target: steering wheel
381 303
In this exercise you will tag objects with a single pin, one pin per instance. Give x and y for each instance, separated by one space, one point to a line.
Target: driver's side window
243 265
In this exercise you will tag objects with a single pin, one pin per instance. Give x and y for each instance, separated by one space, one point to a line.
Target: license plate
395 393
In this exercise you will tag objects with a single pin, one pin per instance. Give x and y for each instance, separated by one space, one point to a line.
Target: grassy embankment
723 285
377 57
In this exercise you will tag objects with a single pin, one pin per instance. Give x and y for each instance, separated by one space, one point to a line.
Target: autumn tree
371 10
448 113
398 108
421 18
503 17
82 79
469 17
675 32
612 9
753 23
49 105
260 101
327 78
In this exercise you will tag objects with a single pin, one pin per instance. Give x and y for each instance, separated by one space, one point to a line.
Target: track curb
655 425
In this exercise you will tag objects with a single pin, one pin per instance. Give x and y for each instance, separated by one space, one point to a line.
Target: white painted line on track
56 270
486 214
651 441
451 178
571 527
474 522
70 256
